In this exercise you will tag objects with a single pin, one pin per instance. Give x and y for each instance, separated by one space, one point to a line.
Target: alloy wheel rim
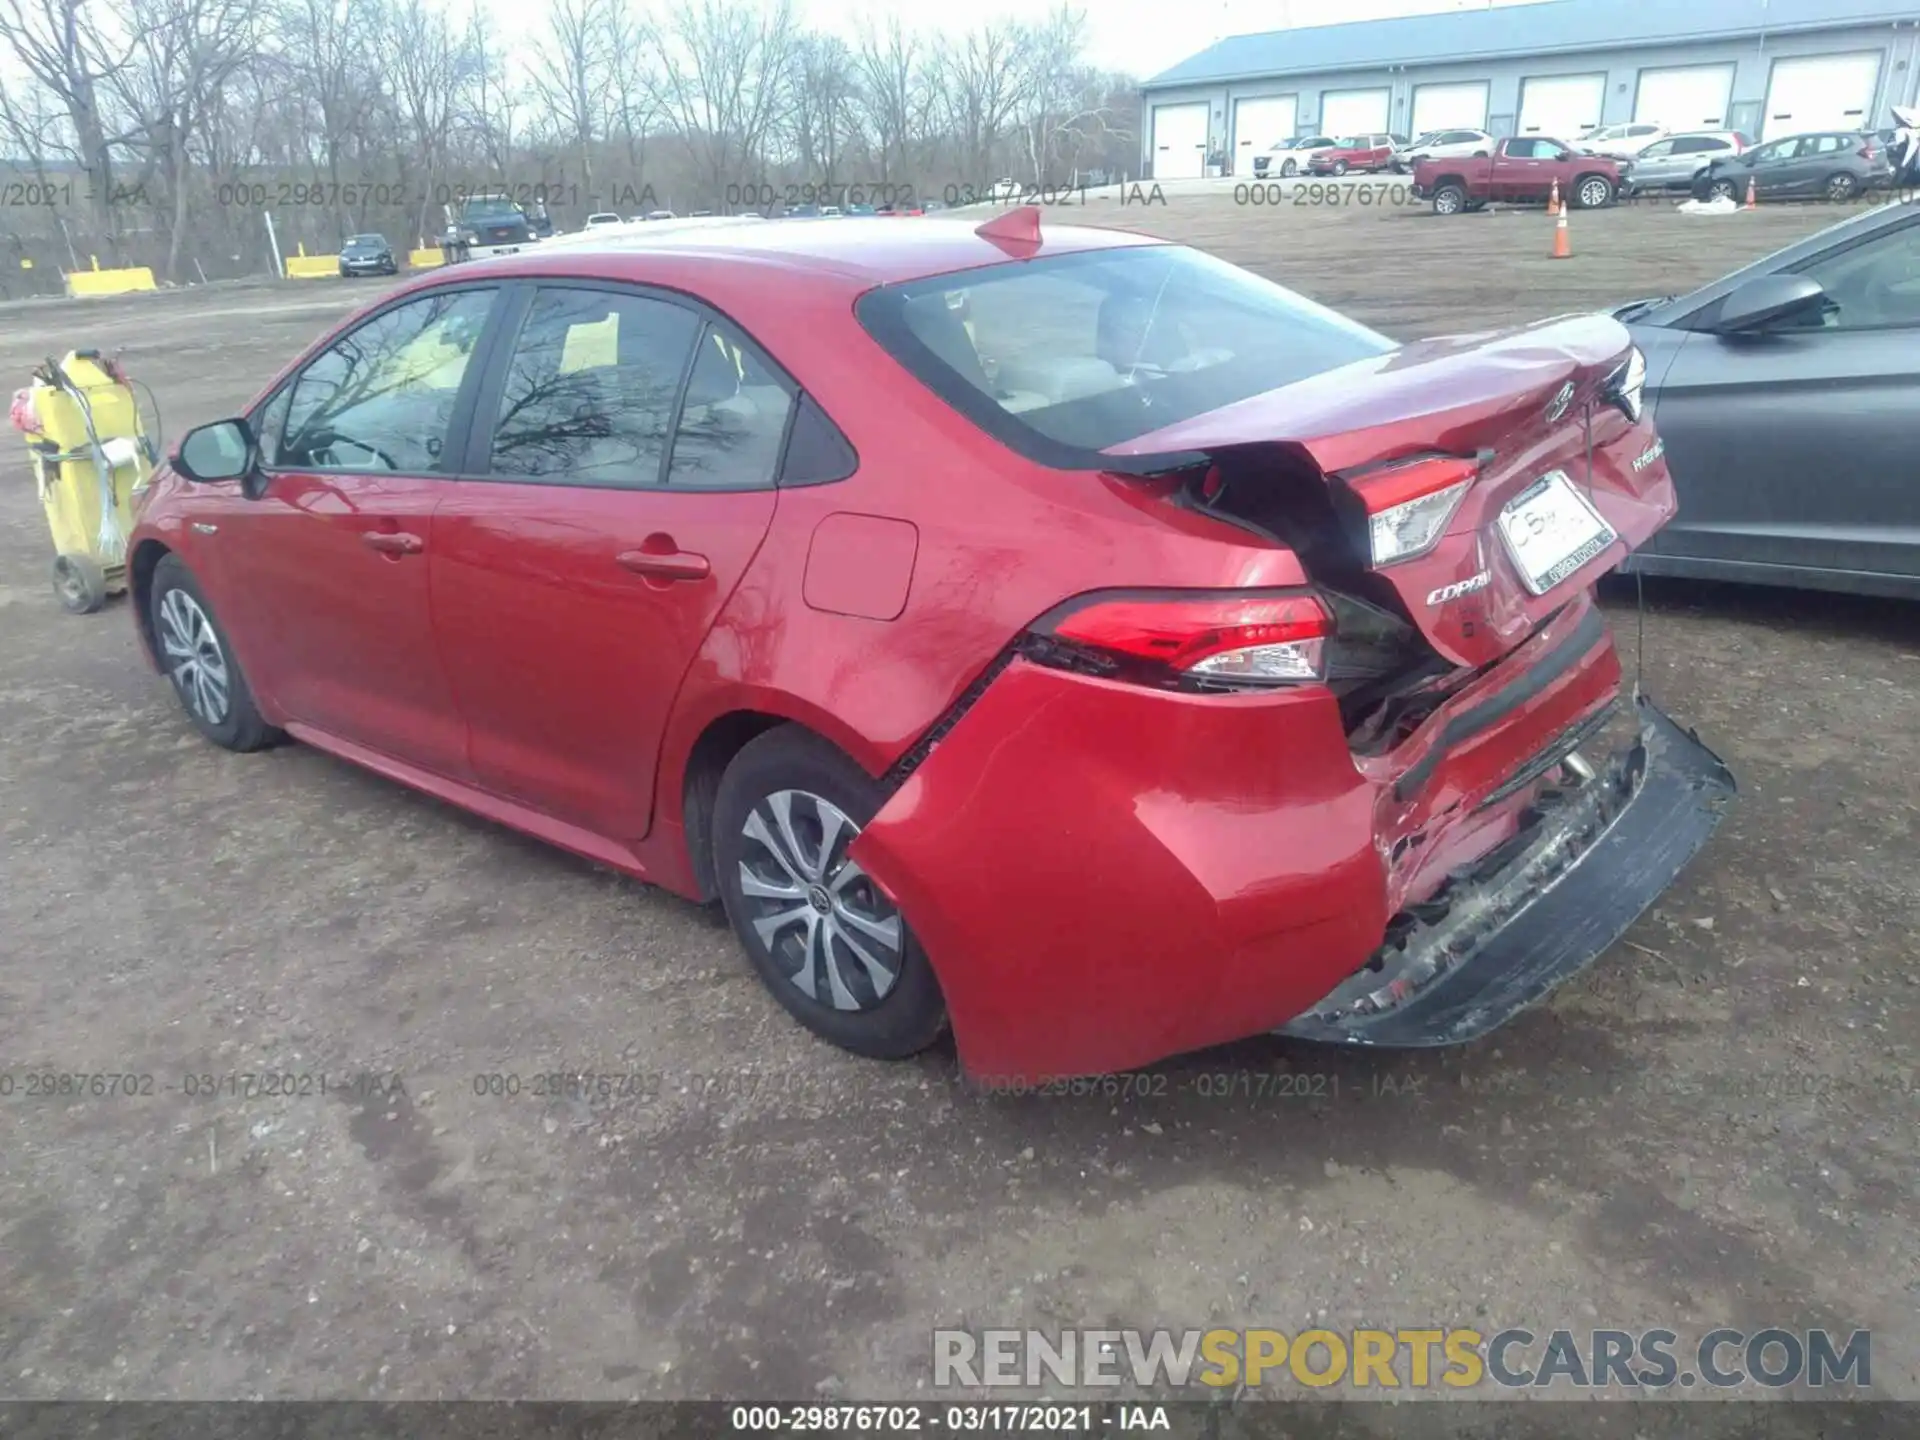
1594 196
830 931
195 662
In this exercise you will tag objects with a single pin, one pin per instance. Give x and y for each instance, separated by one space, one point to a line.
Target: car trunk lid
1555 480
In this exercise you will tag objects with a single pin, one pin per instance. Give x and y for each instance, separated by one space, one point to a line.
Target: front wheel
194 652
824 938
1288 169
1449 200
1339 167
1593 192
1721 189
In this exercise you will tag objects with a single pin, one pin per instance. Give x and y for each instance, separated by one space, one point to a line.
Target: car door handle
665 565
392 542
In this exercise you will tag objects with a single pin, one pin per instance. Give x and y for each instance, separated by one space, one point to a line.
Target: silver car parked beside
1672 163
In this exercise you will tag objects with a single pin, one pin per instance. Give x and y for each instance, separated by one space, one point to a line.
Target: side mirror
224 450
1764 302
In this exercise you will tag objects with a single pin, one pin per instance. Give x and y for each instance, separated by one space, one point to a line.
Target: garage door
1259 125
1561 107
1354 112
1449 107
1820 92
1179 141
1688 97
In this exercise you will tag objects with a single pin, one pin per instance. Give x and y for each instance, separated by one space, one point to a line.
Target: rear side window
1062 358
590 389
733 420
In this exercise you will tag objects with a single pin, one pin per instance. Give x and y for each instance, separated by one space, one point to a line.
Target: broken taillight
1409 504
1212 639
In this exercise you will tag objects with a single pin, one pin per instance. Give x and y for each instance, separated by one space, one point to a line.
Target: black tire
1719 188
1289 169
1593 192
1449 199
80 583
886 1023
1339 167
235 726
1840 188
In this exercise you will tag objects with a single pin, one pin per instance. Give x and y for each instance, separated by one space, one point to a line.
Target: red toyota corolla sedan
1063 636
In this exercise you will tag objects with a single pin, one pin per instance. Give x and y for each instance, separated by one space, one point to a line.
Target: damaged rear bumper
1528 917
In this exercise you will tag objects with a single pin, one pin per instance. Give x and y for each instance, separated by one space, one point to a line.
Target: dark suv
1830 165
367 255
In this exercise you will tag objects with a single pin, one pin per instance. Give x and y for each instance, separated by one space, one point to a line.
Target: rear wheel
194 652
1841 188
1449 200
833 949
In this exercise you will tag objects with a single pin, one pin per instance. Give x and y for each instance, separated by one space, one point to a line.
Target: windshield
492 210
1063 357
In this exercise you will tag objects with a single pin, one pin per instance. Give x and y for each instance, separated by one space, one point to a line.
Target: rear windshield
1064 357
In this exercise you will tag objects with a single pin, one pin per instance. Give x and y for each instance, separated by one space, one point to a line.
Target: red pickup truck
1520 169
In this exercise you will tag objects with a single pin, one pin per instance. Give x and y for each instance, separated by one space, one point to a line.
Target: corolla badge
1557 406
1461 587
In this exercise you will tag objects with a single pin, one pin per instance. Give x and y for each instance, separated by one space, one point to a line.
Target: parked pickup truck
1520 169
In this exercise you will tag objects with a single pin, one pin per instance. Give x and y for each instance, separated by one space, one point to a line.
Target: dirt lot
1715 1126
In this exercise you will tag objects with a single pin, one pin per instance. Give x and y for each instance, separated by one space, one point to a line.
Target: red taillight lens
1241 638
1408 505
1867 152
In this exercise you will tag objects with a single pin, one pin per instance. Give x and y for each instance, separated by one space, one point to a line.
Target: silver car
1671 164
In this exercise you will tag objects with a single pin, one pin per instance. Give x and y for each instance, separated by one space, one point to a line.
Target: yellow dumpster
90 453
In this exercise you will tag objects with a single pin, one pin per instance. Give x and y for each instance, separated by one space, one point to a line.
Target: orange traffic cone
1562 246
1753 195
1554 206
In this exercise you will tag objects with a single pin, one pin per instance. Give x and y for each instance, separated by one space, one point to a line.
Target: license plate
1551 531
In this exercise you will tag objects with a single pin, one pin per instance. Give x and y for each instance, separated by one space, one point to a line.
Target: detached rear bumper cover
1501 939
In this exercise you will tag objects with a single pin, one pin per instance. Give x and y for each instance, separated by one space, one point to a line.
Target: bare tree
184 52
632 49
983 76
432 65
894 94
489 103
572 73
820 118
60 45
725 82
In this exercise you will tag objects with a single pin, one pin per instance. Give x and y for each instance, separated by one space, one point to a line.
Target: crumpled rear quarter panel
1203 869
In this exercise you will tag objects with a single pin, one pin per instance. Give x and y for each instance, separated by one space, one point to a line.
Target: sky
1140 37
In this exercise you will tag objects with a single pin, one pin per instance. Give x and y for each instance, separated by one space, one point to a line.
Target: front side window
1064 357
1660 149
381 398
591 387
1873 285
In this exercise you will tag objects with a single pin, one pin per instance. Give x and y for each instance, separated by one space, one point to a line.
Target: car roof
862 253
